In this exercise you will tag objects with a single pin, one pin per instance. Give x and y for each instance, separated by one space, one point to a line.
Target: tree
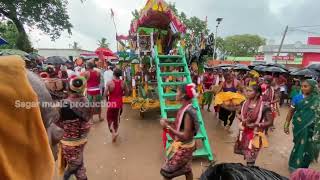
9 32
135 15
195 26
49 16
242 45
103 43
75 45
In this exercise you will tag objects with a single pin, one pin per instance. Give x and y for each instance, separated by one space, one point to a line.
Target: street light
215 38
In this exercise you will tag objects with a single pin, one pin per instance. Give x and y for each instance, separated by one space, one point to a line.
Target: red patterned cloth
305 174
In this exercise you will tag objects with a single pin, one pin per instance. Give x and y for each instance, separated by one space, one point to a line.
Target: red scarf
252 116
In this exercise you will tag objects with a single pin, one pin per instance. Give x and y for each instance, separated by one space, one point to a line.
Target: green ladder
179 61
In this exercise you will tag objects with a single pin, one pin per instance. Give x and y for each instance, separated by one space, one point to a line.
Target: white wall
61 52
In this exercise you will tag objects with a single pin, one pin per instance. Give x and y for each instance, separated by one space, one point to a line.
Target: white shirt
107 76
79 70
70 73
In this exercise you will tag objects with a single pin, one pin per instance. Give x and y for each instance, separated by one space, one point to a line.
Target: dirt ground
138 153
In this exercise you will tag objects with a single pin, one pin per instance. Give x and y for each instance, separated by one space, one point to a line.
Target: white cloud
91 19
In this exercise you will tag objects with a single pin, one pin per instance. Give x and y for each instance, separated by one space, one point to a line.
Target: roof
64 49
290 48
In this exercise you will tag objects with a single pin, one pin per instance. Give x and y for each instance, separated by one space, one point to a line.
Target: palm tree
103 43
75 45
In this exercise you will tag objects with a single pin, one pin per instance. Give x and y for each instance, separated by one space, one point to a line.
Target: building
309 53
68 53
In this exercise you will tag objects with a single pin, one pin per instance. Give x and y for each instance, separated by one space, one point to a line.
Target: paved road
138 154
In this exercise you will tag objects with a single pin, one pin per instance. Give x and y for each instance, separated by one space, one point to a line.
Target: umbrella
207 67
35 56
8 52
293 69
241 67
56 60
305 72
104 51
277 65
314 67
274 69
226 65
135 61
259 68
3 41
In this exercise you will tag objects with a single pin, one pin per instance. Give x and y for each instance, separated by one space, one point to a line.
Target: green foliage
194 24
9 32
242 45
15 40
135 14
49 16
24 43
103 43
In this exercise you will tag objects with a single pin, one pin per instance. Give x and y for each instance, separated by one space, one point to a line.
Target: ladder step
172 64
174 83
201 152
170 57
173 74
172 108
200 135
169 95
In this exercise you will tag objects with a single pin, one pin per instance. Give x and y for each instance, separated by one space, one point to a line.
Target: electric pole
281 44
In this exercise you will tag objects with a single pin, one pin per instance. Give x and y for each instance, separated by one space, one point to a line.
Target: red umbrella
104 51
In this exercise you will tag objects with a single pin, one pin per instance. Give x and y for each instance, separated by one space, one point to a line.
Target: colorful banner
278 58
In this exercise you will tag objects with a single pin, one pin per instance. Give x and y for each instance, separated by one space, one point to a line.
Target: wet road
138 153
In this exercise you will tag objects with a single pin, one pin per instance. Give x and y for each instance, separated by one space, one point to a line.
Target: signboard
260 58
278 58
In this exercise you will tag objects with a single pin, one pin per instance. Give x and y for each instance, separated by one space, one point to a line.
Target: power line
301 30
306 26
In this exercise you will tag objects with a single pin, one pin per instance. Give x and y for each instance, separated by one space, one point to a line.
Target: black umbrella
293 69
56 60
277 65
207 67
305 72
314 67
241 67
274 69
259 68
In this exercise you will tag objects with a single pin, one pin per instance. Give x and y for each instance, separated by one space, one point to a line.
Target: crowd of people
256 115
86 82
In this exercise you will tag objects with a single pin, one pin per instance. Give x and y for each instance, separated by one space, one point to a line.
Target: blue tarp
2 41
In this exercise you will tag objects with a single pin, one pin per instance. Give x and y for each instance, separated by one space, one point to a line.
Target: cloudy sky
268 18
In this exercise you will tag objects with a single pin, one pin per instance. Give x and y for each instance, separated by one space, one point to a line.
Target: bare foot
114 137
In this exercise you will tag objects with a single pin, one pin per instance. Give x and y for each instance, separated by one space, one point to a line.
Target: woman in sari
226 115
295 89
255 117
182 130
305 115
74 121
